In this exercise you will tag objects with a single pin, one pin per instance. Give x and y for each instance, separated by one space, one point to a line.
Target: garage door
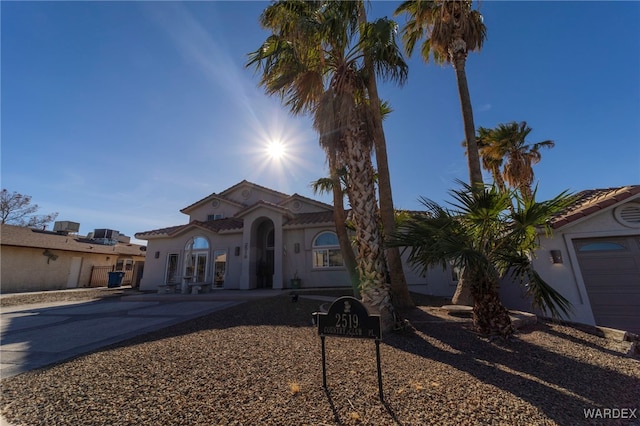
611 271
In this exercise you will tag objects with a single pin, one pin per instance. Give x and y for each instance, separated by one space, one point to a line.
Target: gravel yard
260 364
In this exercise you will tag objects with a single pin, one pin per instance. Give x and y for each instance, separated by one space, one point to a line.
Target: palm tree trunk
462 294
490 317
375 290
340 219
399 289
499 180
473 157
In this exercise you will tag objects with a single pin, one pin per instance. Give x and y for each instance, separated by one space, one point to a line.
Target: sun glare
276 150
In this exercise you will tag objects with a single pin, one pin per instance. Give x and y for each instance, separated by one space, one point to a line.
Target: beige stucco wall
566 278
241 269
26 269
201 213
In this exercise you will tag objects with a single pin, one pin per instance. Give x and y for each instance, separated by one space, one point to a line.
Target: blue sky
119 114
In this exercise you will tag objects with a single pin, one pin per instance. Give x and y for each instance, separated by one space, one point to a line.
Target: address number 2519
347 321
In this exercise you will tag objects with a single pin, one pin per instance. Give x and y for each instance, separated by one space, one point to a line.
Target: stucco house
249 236
593 259
36 260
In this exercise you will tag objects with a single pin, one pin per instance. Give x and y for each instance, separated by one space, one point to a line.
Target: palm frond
543 296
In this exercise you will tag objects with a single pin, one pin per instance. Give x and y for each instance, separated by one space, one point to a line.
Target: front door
265 254
74 272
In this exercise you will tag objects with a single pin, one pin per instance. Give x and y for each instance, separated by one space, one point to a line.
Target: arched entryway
264 253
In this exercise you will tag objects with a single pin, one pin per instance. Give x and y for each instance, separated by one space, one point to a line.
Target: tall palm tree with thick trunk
488 240
399 288
450 28
314 61
505 150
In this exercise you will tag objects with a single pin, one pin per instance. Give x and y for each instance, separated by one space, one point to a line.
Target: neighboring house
249 236
593 258
34 260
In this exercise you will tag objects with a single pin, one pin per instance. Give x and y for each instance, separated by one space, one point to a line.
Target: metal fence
100 275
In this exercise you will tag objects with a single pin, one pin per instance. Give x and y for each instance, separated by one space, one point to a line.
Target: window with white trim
326 251
172 268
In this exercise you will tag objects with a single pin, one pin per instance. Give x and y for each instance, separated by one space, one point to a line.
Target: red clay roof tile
591 201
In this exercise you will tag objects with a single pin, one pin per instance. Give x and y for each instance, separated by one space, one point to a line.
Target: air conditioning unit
107 237
124 239
66 227
109 234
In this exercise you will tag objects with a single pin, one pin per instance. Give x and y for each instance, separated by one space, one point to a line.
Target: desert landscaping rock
259 364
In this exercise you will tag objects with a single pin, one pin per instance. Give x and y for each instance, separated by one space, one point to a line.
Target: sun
276 150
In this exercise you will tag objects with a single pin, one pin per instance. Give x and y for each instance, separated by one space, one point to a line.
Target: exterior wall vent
628 215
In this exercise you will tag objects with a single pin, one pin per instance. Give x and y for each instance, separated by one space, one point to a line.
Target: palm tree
482 236
450 28
399 289
334 184
313 61
507 144
490 158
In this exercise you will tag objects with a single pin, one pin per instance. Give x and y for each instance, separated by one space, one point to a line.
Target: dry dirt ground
260 364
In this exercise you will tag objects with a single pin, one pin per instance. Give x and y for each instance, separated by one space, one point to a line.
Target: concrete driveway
34 336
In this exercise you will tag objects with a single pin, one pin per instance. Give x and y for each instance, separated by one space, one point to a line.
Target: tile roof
254 185
19 236
217 225
263 203
297 196
224 194
157 232
232 223
212 196
310 218
592 201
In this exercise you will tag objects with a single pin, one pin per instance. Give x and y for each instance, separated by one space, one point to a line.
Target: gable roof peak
591 201
245 182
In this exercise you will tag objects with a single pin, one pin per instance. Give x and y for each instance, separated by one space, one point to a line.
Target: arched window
197 243
326 251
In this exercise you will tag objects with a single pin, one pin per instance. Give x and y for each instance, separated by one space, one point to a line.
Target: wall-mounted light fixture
157 255
50 255
556 256
237 251
296 247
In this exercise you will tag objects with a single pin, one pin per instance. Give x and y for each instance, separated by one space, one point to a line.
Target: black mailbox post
348 317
